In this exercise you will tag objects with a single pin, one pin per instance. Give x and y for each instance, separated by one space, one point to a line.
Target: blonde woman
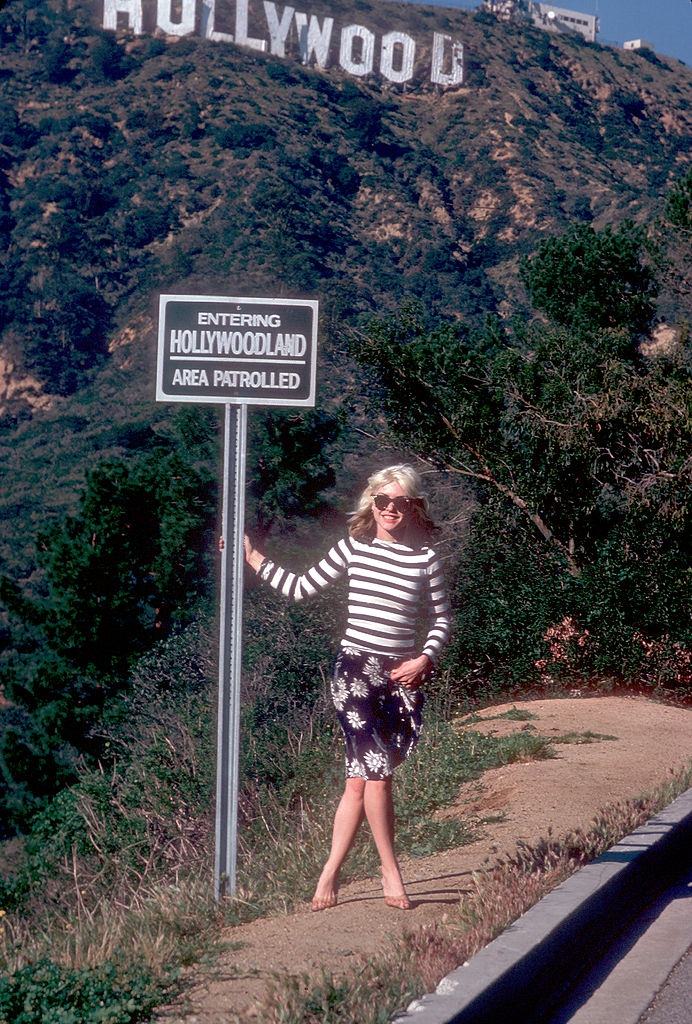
394 577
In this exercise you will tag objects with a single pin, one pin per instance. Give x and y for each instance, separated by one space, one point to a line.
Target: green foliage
485 18
71 320
363 116
646 53
509 591
134 818
593 279
130 567
577 446
246 136
679 202
13 132
108 61
287 650
108 994
44 734
25 21
291 465
57 55
146 223
130 562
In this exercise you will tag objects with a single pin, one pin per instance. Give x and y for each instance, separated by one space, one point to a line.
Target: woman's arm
438 634
253 557
410 673
295 587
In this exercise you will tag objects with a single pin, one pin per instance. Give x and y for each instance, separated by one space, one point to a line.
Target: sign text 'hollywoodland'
271 28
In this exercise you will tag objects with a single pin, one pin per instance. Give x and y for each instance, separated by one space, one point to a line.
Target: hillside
135 165
194 166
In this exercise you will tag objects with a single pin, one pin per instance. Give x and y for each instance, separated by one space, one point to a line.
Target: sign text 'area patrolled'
245 351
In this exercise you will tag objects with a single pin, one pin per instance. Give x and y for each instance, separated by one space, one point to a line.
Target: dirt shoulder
524 802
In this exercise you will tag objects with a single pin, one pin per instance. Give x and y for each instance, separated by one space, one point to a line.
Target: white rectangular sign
236 350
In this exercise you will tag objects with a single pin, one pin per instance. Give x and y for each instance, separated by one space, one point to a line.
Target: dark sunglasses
401 504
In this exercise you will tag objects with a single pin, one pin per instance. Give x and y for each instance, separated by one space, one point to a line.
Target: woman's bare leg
347 821
379 810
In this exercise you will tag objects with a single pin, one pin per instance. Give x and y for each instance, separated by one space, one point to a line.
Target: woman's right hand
253 557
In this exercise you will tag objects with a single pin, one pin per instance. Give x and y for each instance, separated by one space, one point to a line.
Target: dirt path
532 798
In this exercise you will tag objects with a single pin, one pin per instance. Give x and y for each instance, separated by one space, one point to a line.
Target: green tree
577 446
594 278
675 233
291 465
23 21
679 202
57 55
71 319
130 562
119 575
109 61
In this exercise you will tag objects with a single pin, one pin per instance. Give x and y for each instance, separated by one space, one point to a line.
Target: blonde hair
361 523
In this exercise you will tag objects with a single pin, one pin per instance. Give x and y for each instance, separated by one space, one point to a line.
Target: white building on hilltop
637 44
559 19
547 16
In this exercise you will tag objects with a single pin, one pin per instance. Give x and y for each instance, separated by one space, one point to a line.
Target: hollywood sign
270 28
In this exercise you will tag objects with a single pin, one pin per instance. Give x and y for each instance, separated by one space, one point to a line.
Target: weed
518 715
514 714
127 856
582 737
112 993
524 746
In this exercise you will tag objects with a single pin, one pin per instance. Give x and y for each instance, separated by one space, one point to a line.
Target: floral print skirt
381 721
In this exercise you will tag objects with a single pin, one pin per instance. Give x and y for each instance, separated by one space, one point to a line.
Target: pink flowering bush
665 662
569 647
572 650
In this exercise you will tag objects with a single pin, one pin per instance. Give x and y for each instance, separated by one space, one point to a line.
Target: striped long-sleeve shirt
390 585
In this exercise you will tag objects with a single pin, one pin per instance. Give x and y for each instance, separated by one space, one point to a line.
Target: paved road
633 984
673 1004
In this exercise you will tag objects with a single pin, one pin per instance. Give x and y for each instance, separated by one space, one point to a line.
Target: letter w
314 39
223 341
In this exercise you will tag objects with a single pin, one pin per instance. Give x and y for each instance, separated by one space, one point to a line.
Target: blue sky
667 24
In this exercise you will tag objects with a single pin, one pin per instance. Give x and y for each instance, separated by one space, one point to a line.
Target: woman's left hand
410 673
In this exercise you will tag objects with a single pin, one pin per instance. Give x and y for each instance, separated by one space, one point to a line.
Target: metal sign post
230 633
236 352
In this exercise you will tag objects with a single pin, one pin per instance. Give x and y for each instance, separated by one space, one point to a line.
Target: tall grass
121 864
118 870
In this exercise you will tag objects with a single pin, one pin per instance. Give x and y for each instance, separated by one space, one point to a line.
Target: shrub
69 333
108 994
246 136
108 60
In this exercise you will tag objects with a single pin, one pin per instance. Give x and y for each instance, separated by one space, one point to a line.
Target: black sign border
163 396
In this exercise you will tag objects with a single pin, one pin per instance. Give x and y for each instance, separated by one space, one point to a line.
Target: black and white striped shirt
389 585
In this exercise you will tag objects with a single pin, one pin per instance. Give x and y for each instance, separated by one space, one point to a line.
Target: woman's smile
389 521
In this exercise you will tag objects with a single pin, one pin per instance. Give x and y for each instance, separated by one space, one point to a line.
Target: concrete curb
523 974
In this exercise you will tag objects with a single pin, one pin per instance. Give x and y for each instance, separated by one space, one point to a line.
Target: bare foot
325 893
394 892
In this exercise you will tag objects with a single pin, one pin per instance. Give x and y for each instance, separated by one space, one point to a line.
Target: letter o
348 36
408 54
